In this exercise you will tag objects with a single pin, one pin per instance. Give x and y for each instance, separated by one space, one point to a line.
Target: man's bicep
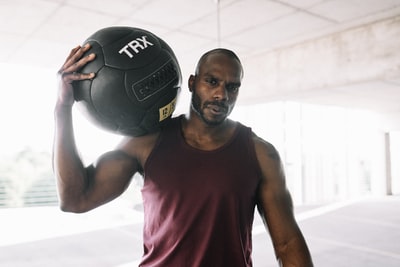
274 200
272 189
109 177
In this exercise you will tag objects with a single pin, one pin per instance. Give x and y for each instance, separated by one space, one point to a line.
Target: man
204 174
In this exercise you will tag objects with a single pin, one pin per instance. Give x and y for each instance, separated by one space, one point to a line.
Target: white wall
329 153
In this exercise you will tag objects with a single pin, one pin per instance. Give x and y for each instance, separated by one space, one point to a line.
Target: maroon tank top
199 205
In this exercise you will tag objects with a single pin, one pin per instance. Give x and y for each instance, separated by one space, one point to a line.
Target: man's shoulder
135 146
264 147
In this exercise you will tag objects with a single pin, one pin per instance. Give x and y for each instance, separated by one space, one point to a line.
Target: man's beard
199 109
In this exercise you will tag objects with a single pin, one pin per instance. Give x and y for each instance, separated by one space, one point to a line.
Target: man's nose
221 93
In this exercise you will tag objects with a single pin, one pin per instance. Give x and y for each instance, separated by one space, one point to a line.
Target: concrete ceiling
42 32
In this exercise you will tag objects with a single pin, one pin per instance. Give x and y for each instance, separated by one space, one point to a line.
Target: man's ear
191 82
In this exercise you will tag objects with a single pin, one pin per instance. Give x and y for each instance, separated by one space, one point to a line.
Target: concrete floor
362 233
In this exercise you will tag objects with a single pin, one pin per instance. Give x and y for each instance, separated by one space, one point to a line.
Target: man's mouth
217 108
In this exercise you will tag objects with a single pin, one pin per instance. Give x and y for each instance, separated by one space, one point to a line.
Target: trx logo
135 46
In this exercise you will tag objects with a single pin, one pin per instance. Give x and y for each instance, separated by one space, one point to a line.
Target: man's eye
232 88
212 81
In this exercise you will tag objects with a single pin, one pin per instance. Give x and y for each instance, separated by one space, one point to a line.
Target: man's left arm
276 209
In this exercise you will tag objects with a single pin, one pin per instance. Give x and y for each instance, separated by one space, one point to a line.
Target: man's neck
201 135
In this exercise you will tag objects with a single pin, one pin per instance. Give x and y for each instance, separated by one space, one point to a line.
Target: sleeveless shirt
199 205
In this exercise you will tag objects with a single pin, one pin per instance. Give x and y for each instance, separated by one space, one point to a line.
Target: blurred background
322 83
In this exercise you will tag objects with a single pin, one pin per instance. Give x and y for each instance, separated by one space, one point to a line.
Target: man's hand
69 73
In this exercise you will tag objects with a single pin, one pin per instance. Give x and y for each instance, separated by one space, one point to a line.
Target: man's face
215 88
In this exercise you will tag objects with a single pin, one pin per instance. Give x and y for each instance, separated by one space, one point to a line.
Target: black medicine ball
137 81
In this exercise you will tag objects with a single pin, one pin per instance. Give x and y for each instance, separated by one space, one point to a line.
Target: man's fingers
75 66
74 59
69 77
69 73
70 56
80 51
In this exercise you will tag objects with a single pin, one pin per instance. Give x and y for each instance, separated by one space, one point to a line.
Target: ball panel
107 92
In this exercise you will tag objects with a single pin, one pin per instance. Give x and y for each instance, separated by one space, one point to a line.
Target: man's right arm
83 188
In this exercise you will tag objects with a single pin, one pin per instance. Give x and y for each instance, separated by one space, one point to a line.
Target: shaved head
221 51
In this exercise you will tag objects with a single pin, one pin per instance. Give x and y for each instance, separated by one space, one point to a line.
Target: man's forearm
68 167
295 254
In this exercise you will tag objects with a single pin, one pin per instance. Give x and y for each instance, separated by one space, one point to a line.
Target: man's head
215 85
